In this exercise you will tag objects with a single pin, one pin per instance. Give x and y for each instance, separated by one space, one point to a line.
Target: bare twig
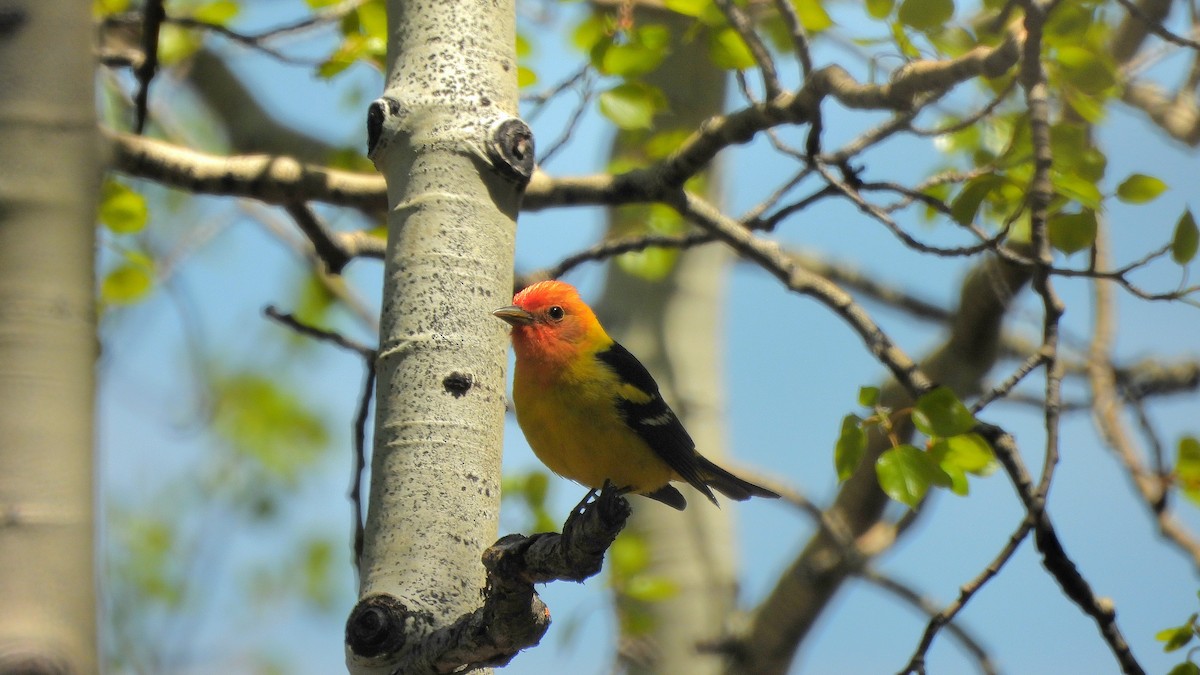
152 19
769 256
360 418
1041 191
1155 26
745 29
1054 557
798 34
321 334
1152 486
916 664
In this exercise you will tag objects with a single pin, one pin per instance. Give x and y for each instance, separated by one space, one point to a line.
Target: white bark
435 486
48 187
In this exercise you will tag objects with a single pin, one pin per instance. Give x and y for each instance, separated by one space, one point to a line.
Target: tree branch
512 616
1054 557
273 179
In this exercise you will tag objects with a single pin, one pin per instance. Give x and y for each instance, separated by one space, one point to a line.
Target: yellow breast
575 429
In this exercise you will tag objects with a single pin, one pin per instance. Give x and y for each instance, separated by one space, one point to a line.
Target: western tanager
591 411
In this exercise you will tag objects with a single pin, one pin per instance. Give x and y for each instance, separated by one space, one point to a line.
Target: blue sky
793 369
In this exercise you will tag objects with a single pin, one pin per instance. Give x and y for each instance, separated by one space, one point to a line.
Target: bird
591 411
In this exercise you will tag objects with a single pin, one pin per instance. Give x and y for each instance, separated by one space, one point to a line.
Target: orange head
551 324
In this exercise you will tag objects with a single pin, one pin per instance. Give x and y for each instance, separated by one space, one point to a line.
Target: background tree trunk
48 187
674 326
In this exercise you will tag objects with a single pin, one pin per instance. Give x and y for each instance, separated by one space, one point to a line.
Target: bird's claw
609 500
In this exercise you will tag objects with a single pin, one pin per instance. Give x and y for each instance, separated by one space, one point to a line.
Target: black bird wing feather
656 423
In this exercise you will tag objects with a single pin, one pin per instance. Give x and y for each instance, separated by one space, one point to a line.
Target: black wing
654 421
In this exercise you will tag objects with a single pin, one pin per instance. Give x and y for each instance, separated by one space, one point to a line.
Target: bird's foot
608 502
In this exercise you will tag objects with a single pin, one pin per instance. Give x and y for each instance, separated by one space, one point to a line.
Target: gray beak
513 315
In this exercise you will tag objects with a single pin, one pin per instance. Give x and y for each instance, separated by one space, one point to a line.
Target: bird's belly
589 444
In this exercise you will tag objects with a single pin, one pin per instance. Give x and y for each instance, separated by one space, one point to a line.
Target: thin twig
1041 191
745 29
152 19
916 664
327 250
799 36
1151 485
360 418
1156 27
769 256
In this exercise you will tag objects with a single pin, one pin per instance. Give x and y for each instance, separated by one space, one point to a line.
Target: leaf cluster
905 472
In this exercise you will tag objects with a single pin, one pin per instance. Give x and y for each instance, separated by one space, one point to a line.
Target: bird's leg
582 505
609 501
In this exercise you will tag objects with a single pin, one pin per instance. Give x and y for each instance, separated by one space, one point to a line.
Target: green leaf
267 423
1089 71
372 22
653 263
1074 153
524 46
630 60
631 105
218 12
129 282
102 8
1088 107
650 588
526 77
1071 232
317 560
663 143
968 452
906 473
693 8
926 14
628 555
812 15
1186 239
537 486
868 396
175 44
592 31
1140 188
1177 637
1185 668
880 9
1073 186
959 484
1187 468
727 50
966 203
903 43
851 445
121 209
940 413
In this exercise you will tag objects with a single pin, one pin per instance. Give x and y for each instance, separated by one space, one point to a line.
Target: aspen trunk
674 326
48 187
445 136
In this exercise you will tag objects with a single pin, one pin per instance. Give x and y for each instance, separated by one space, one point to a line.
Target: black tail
730 485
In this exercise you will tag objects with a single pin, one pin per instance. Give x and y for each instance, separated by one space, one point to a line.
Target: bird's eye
556 313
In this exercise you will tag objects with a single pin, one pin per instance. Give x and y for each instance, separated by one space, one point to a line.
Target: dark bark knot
457 384
376 626
11 20
377 113
510 147
36 663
